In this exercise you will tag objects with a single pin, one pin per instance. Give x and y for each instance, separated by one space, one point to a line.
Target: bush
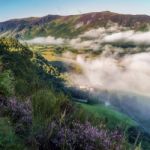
8 139
87 137
79 136
47 104
6 83
21 116
43 104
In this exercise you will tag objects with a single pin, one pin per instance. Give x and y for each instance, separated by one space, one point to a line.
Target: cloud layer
106 72
46 40
96 38
131 73
108 40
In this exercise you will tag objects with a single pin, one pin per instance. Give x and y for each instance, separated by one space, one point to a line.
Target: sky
10 9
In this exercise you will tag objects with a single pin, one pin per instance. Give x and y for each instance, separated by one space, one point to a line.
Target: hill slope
70 26
37 113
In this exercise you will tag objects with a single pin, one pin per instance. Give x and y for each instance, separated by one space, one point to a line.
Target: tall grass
47 105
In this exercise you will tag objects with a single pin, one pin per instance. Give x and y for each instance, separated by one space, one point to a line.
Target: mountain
25 22
72 25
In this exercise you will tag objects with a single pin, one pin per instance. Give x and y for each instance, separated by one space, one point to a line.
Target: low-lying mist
123 83
46 40
130 73
101 38
120 74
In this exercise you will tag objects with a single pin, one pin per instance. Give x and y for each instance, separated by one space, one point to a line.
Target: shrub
21 116
47 104
43 104
6 83
8 139
79 136
87 137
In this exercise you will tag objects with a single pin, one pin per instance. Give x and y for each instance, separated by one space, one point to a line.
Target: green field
109 115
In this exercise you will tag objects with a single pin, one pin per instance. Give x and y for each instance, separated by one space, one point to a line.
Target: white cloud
129 36
97 38
131 73
46 40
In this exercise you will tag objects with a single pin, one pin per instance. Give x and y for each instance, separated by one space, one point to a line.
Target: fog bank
130 73
46 40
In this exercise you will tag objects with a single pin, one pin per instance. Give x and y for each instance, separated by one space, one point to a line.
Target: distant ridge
71 25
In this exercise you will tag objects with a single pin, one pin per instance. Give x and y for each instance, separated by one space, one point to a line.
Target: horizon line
71 14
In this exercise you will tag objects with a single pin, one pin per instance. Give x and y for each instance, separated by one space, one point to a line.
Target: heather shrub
85 136
79 136
20 114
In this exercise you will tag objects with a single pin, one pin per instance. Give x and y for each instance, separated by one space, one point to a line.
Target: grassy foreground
37 111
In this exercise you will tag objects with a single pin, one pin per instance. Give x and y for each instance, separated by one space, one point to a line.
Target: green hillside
37 111
70 26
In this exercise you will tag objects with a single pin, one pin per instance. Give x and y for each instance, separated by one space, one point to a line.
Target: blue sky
24 8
